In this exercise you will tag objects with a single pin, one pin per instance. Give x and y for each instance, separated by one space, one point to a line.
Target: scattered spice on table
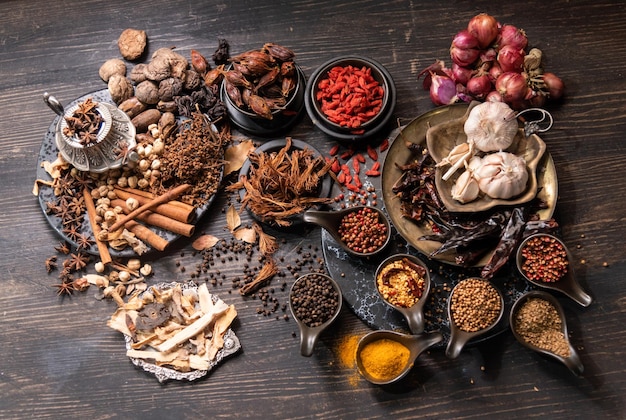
363 231
384 359
346 353
401 282
314 299
349 95
476 305
544 259
538 322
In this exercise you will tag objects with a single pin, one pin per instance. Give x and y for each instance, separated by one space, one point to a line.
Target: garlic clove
466 188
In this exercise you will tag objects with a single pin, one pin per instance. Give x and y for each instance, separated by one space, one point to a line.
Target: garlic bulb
491 126
466 188
502 175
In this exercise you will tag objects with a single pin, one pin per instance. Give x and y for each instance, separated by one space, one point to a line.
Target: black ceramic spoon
572 361
331 220
415 343
459 337
568 284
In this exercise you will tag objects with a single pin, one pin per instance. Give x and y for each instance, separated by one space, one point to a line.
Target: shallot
484 27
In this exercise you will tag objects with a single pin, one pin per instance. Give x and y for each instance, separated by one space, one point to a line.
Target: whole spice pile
195 157
384 359
282 184
349 96
401 282
475 305
538 323
363 231
261 81
490 62
84 123
314 299
544 259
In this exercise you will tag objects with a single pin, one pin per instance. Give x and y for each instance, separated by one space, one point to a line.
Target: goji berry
372 153
335 167
355 165
375 166
347 154
345 169
357 181
384 145
352 187
360 157
372 173
333 150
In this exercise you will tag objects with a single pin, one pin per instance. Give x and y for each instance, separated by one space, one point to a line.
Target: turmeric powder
384 359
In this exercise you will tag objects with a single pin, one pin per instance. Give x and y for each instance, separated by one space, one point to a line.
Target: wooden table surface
58 359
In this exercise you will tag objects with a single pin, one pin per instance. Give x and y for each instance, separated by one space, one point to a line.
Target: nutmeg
111 67
132 43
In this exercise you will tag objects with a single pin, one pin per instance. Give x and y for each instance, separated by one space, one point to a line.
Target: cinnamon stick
149 195
168 196
147 235
103 248
157 220
176 212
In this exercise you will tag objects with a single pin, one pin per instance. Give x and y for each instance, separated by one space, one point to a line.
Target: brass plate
415 132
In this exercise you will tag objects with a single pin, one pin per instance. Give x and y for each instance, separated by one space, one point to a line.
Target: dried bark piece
132 43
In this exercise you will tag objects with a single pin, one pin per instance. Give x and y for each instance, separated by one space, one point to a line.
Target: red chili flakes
350 96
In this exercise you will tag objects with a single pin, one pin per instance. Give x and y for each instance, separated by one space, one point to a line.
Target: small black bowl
271 146
368 128
282 119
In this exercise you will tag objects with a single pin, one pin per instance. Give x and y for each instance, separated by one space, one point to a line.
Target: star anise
65 183
122 150
72 232
64 288
82 181
52 207
51 263
63 248
77 206
76 262
83 242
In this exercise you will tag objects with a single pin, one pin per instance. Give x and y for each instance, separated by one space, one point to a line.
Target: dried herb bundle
195 157
282 184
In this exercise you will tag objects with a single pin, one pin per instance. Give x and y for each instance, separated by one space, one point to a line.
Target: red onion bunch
490 62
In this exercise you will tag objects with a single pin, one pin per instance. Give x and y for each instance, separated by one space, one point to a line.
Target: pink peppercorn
363 231
544 259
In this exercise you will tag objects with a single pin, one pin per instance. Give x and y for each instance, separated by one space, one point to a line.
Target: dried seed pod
279 52
237 78
287 86
260 106
254 67
234 93
214 76
287 69
199 63
245 96
257 55
268 78
276 103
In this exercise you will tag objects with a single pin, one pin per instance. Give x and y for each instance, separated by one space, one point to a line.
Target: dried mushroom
147 92
120 88
111 67
132 43
169 88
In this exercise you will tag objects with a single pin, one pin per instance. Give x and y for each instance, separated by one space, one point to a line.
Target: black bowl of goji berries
350 98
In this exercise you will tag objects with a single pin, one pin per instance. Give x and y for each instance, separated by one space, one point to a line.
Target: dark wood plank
60 360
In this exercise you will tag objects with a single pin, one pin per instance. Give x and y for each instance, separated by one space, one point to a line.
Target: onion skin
485 28
479 86
512 36
512 86
554 84
511 58
461 74
442 90
464 57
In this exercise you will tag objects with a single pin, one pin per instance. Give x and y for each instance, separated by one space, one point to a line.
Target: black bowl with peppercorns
350 98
